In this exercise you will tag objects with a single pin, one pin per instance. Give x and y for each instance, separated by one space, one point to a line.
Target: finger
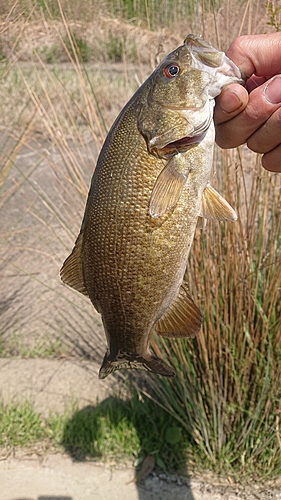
268 136
272 161
254 81
263 101
259 54
230 102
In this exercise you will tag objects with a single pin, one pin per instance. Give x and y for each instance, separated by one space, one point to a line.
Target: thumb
231 101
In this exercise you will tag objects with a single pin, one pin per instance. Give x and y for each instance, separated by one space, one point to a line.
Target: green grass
77 47
115 430
133 31
43 348
274 14
127 429
50 53
152 13
20 425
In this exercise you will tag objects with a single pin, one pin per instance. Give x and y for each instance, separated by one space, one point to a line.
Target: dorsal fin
182 319
71 272
214 206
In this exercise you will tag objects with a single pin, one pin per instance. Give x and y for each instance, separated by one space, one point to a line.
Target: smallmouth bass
149 190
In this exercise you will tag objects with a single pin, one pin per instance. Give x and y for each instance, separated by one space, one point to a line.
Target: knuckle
254 113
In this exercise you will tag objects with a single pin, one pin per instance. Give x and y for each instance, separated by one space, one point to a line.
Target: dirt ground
37 310
56 477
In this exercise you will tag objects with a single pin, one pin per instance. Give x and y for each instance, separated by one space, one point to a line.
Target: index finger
257 54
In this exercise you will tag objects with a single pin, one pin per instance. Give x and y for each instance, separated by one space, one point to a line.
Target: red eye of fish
171 70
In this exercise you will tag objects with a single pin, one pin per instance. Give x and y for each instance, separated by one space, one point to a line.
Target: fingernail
229 101
272 90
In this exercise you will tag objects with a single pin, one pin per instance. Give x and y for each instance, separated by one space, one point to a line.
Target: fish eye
171 70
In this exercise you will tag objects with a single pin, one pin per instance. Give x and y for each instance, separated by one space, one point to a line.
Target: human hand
252 114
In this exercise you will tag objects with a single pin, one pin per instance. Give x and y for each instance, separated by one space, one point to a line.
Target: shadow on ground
138 427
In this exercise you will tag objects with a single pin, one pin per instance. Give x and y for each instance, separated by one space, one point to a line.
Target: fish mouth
161 148
180 146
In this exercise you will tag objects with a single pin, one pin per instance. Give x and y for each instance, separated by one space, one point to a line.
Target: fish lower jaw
148 362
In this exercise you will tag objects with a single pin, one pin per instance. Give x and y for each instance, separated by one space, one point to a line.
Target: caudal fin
150 363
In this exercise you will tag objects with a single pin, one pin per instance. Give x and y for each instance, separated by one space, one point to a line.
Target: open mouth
180 146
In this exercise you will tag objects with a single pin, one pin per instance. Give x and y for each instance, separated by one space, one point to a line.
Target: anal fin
214 206
71 272
182 319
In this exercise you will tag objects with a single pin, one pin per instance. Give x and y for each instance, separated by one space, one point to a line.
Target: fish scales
150 186
131 267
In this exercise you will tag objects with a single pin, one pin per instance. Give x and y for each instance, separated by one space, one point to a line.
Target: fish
149 191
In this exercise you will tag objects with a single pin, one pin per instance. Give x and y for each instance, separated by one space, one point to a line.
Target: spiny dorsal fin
214 206
168 188
71 272
182 319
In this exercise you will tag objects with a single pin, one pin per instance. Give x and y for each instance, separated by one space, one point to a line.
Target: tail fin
150 363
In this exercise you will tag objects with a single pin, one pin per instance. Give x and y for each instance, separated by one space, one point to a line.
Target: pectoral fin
168 188
214 206
71 272
182 319
201 223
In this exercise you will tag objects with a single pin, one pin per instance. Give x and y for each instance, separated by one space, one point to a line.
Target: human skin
252 114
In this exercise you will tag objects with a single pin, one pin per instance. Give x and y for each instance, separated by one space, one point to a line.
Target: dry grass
112 34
